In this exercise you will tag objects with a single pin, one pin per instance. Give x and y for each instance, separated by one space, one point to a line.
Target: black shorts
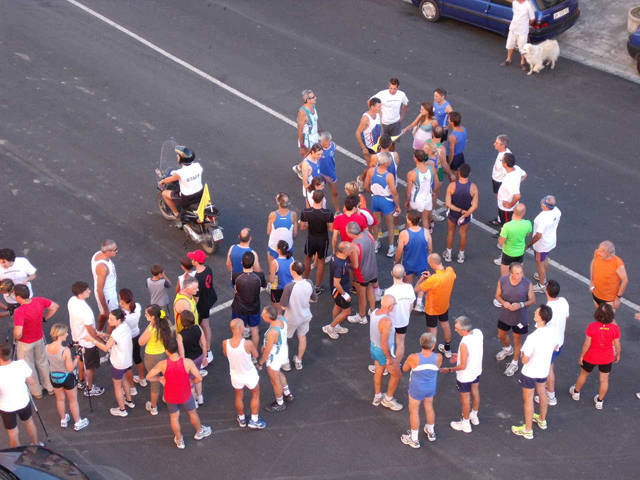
316 246
276 295
91 358
366 284
137 358
339 299
391 129
599 301
185 200
505 216
10 419
402 330
508 260
59 380
457 161
496 186
516 329
588 367
432 320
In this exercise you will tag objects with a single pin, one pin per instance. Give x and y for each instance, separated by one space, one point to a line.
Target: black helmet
185 153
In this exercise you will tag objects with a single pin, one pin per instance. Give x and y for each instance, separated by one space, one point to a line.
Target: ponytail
126 296
163 330
283 247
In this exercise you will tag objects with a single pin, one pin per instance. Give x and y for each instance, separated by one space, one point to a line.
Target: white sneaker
473 418
431 436
599 404
340 329
377 399
200 400
140 381
460 257
437 217
461 425
536 276
497 261
391 251
551 401
64 422
80 424
446 256
209 356
297 362
179 442
511 369
574 395
372 369
330 331
133 391
407 440
357 319
150 408
129 404
538 288
297 170
419 307
504 353
445 352
116 412
204 432
496 303
391 404
377 247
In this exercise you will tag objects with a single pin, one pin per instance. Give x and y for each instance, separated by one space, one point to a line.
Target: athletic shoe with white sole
551 401
574 395
357 319
94 392
504 353
599 404
461 425
204 432
542 424
203 372
444 351
150 408
133 391
460 257
64 422
297 362
372 369
80 424
257 424
129 404
116 412
521 430
538 288
473 418
209 356
511 369
391 404
407 440
446 256
391 251
497 261
419 307
377 400
297 170
340 329
330 331
179 442
431 436
246 333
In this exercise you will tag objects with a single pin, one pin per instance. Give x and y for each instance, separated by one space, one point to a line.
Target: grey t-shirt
514 294
368 268
296 297
158 291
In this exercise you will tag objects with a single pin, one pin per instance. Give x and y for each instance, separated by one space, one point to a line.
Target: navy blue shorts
465 387
252 320
528 382
555 354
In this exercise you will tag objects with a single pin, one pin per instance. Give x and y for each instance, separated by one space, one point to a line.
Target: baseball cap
197 255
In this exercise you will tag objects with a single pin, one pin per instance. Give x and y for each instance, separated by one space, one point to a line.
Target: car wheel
429 10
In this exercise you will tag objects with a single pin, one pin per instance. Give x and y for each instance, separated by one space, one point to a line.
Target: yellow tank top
154 345
192 307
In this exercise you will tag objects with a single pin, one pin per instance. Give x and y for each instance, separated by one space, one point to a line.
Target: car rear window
545 4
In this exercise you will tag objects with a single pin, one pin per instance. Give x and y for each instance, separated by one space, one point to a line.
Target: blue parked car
552 16
633 45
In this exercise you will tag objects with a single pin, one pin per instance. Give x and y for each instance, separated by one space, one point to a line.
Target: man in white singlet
420 184
243 374
307 127
104 280
368 133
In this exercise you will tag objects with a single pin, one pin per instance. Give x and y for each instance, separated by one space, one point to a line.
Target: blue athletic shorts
382 204
252 320
555 354
529 383
419 392
465 387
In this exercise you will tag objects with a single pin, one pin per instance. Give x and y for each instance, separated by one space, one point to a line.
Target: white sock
387 397
414 435
241 417
514 362
430 428
474 413
378 395
461 252
448 251
551 395
285 390
279 400
254 418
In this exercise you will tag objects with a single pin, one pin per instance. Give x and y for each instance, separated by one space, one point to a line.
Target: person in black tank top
192 345
462 201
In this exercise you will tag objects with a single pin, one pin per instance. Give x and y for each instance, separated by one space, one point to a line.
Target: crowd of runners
166 346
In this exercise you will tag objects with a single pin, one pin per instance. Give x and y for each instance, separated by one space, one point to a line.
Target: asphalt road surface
86 108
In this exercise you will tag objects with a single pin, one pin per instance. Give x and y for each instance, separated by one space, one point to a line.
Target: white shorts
516 40
301 328
274 363
248 380
112 302
422 203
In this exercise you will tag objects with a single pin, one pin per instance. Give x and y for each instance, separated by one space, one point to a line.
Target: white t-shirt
190 178
181 278
560 308
474 344
546 223
539 347
122 351
391 105
80 315
510 186
522 13
405 296
14 394
18 273
499 172
295 300
133 320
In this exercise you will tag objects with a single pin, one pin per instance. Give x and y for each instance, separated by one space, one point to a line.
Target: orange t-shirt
605 279
438 287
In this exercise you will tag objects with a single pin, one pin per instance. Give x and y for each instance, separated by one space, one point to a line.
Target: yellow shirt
192 307
154 345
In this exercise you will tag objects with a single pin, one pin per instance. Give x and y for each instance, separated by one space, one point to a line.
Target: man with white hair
405 297
544 237
501 144
104 280
328 165
365 271
468 369
608 276
307 127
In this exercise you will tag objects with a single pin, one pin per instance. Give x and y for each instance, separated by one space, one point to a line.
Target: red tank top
177 388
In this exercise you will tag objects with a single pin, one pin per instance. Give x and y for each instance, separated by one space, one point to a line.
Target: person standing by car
394 106
523 16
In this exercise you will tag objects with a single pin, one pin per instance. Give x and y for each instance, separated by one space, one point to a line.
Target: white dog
537 55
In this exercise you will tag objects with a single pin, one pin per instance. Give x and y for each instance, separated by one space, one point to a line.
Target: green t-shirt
515 232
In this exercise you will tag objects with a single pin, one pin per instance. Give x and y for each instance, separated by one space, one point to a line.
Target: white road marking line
290 122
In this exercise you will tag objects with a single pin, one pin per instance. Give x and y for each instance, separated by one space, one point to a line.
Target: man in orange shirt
438 286
608 276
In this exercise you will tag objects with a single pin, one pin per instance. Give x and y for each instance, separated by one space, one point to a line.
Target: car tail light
538 26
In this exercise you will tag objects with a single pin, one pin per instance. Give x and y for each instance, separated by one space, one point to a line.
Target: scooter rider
188 176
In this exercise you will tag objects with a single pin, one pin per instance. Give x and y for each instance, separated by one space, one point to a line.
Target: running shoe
209 356
330 331
444 351
257 424
200 400
407 440
275 407
541 423
377 247
150 408
81 386
242 422
297 170
288 397
504 353
574 394
129 404
372 369
116 412
179 442
460 257
431 436
357 319
204 432
297 362
473 418
419 307
94 392
522 431
552 401
437 217
391 251
377 400
511 369
340 329
497 261
64 422
133 391
539 288
446 256
461 425
80 424
391 404
599 404
318 289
